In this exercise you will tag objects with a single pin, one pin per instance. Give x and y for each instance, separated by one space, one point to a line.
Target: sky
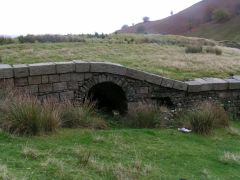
21 17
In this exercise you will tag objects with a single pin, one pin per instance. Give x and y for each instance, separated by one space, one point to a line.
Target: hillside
160 54
191 19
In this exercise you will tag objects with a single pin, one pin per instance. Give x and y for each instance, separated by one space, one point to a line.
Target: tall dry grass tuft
206 116
143 116
83 116
24 115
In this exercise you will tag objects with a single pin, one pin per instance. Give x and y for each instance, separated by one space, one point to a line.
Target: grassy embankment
121 154
163 55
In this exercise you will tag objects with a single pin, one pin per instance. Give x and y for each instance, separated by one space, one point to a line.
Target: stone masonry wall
72 80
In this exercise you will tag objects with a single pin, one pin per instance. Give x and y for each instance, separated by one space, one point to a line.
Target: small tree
237 10
146 19
124 26
220 15
141 30
171 12
208 13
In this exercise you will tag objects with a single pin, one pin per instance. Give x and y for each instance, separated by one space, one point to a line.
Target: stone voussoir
166 82
152 78
135 74
6 71
42 68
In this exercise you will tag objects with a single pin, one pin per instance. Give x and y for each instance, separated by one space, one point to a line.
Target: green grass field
122 154
159 54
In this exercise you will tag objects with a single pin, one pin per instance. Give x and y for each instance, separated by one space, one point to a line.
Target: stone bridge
114 86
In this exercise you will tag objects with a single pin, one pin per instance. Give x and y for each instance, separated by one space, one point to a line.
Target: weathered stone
20 70
233 83
142 90
167 83
72 85
77 76
194 86
82 66
45 79
69 95
59 86
32 89
45 88
152 78
53 78
135 74
180 85
65 67
35 79
65 77
218 84
87 75
21 81
6 71
108 68
205 85
42 69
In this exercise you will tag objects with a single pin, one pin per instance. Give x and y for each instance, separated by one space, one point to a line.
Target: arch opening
109 98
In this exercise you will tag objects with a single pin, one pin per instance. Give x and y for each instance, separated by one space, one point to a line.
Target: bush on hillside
213 50
5 40
207 15
205 117
194 49
141 29
220 15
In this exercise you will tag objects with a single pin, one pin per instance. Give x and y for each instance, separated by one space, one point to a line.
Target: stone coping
197 85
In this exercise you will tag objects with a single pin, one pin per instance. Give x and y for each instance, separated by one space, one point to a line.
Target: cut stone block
194 86
77 76
53 78
65 67
6 71
65 77
152 78
180 85
6 83
135 74
206 86
108 67
82 66
167 83
45 79
59 86
32 89
72 85
218 84
20 70
21 81
42 69
69 95
233 83
45 88
35 79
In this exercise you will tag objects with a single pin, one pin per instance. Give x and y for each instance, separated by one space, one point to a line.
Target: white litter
184 130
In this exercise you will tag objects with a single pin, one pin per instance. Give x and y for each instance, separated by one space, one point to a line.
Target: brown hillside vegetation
186 20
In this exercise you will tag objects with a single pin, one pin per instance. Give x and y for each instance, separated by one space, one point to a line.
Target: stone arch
109 97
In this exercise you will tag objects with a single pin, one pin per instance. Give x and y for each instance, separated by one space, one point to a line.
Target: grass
163 55
121 154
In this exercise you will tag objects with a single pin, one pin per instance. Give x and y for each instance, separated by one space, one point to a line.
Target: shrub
24 115
5 40
141 29
207 116
220 15
146 19
194 49
207 16
81 117
143 116
212 50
